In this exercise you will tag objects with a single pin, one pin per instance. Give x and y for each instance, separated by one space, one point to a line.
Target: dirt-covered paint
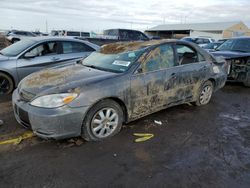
120 47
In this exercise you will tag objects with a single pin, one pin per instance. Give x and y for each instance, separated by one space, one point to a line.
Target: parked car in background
116 35
210 47
38 33
33 54
120 83
15 35
201 41
237 53
70 33
222 40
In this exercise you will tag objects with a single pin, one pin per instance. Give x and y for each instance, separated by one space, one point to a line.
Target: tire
6 84
247 82
15 40
205 93
97 126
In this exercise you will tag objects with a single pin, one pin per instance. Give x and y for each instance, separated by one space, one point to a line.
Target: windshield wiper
100 68
91 66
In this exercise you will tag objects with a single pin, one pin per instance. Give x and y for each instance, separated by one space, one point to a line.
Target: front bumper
57 123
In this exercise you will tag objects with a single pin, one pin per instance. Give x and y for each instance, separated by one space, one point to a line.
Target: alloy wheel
206 94
104 122
4 85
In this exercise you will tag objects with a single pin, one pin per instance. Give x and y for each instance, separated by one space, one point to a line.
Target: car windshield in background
112 62
17 48
238 45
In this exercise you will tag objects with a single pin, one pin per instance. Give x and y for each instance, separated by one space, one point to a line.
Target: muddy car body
119 84
237 53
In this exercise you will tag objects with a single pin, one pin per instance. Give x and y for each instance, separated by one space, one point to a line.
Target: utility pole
46 24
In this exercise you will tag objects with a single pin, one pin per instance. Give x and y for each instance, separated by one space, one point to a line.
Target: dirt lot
194 147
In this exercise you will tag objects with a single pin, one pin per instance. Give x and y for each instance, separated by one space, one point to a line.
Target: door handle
55 58
204 68
173 75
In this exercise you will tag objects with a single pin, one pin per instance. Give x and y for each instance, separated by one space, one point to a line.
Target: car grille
26 96
23 116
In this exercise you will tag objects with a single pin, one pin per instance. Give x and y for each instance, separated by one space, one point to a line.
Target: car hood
62 79
3 58
230 54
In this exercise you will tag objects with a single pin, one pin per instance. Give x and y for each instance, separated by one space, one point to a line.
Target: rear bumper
220 81
57 123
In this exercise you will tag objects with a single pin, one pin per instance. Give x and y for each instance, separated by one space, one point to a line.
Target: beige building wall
236 30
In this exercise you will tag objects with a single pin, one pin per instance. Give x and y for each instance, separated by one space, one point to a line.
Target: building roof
212 26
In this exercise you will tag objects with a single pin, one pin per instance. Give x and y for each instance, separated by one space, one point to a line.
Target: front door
42 56
148 82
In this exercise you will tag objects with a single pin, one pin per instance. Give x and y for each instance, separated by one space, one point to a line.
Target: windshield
241 45
112 62
17 48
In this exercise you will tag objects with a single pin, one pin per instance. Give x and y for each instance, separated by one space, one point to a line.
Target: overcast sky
97 15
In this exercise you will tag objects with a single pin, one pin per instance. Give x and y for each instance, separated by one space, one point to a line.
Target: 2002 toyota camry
120 83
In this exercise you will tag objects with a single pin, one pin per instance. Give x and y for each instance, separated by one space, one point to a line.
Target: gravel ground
194 147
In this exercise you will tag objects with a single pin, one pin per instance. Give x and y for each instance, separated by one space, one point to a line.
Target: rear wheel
205 93
104 120
247 82
6 84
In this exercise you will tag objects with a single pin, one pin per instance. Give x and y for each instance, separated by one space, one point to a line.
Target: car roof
57 38
119 47
243 37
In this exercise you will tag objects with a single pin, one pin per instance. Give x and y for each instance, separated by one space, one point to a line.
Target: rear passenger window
186 55
75 47
160 58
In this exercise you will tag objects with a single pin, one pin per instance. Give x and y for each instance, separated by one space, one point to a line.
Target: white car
201 41
14 35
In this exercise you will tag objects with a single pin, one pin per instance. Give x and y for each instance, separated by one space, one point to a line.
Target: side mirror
29 55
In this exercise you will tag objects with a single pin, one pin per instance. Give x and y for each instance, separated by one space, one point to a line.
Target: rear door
71 50
192 70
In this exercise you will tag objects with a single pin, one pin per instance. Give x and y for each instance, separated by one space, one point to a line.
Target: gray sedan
120 83
33 54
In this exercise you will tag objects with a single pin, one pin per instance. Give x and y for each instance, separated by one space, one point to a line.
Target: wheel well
120 102
10 77
123 106
213 81
13 39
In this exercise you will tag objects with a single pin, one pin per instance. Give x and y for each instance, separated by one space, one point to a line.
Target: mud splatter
120 47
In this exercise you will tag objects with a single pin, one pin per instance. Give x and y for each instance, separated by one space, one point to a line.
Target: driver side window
159 58
186 55
48 48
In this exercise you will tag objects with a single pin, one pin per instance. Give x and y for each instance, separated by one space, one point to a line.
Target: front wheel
104 120
205 93
6 84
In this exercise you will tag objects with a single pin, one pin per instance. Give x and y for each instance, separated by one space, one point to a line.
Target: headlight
54 100
216 69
